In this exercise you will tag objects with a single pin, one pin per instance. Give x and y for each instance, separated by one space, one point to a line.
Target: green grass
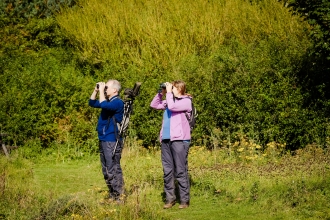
292 187
64 179
67 178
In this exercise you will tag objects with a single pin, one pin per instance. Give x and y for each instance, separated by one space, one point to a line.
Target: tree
33 8
314 74
317 14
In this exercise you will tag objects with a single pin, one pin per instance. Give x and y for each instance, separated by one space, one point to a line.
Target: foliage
36 67
241 61
241 68
22 28
317 14
43 99
314 74
34 8
21 35
11 189
158 34
67 206
254 96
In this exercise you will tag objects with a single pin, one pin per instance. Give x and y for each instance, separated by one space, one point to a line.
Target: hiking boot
184 205
169 205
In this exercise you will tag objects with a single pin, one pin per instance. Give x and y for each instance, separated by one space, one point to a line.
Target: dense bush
317 14
42 97
314 74
33 8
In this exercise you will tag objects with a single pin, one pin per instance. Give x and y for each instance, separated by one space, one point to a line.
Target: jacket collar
182 97
113 97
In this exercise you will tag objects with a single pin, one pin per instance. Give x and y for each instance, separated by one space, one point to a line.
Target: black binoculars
105 88
162 86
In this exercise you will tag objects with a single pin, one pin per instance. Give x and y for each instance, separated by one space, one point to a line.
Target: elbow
153 107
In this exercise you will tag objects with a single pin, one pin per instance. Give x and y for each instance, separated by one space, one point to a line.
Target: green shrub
43 98
34 8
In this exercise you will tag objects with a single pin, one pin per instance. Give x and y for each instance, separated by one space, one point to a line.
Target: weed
67 206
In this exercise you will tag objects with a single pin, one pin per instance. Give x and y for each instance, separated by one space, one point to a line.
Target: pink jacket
179 125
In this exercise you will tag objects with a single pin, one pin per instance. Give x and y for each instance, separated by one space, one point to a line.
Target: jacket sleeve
112 106
94 103
179 105
158 103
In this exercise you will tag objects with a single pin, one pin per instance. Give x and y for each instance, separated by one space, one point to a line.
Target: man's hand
101 86
101 89
96 90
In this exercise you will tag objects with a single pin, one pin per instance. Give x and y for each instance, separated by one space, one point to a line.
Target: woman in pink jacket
175 140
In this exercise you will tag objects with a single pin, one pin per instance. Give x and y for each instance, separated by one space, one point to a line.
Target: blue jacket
105 126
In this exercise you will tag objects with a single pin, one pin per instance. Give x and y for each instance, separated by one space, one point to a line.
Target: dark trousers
111 168
175 166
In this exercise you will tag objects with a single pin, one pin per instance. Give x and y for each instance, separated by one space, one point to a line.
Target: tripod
130 95
123 126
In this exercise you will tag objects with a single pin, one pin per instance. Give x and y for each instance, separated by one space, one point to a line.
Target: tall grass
164 32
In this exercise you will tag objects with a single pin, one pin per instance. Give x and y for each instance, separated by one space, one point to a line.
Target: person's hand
169 87
101 86
96 89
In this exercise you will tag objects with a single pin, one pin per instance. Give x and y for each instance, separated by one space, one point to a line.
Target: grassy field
225 184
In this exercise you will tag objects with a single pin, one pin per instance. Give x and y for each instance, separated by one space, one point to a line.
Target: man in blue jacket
112 110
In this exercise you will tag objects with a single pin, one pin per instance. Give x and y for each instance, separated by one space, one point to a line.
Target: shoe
169 205
184 205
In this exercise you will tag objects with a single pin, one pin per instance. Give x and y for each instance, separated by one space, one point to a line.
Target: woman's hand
169 87
163 91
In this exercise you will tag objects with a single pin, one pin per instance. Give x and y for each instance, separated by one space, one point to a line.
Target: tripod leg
114 149
5 150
